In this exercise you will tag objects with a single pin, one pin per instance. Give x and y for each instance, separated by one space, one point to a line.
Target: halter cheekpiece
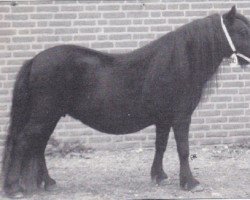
235 54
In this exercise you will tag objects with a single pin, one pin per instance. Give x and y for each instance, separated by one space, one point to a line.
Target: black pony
159 84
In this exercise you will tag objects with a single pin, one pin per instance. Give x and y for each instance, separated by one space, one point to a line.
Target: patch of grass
245 145
57 148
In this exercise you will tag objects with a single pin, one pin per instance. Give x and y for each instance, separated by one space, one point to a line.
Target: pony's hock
159 84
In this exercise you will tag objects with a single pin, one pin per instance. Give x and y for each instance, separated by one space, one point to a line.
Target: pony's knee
160 148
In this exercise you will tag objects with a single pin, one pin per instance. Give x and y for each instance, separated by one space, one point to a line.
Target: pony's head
238 28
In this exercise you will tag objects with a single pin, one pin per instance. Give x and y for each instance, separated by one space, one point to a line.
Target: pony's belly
118 128
115 124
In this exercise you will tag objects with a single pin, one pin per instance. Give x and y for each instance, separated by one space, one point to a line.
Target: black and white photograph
124 99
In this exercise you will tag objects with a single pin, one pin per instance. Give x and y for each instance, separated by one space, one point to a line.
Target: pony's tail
19 115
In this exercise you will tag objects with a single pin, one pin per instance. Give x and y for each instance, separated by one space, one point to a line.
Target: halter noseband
231 44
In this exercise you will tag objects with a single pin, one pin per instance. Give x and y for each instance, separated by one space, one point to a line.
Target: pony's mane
201 31
202 37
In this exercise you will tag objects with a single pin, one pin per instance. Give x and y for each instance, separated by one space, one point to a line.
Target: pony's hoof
191 185
17 195
159 178
50 187
50 184
198 188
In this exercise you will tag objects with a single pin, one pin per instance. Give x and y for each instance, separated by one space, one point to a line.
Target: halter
231 44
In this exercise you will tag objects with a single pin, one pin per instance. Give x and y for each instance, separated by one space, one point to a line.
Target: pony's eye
244 32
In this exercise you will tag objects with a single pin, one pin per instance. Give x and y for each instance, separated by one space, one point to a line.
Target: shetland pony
159 84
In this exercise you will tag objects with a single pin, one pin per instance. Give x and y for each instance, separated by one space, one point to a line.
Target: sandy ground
224 172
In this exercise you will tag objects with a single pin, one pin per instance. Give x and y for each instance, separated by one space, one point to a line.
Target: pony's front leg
162 133
181 132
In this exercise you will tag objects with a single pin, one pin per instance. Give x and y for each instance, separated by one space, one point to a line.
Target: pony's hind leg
38 157
28 168
49 183
162 133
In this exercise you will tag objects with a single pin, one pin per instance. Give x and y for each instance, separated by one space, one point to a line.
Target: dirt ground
224 172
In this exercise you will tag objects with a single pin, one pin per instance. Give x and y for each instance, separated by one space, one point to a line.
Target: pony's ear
230 16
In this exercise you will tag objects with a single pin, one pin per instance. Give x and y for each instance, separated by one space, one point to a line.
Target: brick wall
120 26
